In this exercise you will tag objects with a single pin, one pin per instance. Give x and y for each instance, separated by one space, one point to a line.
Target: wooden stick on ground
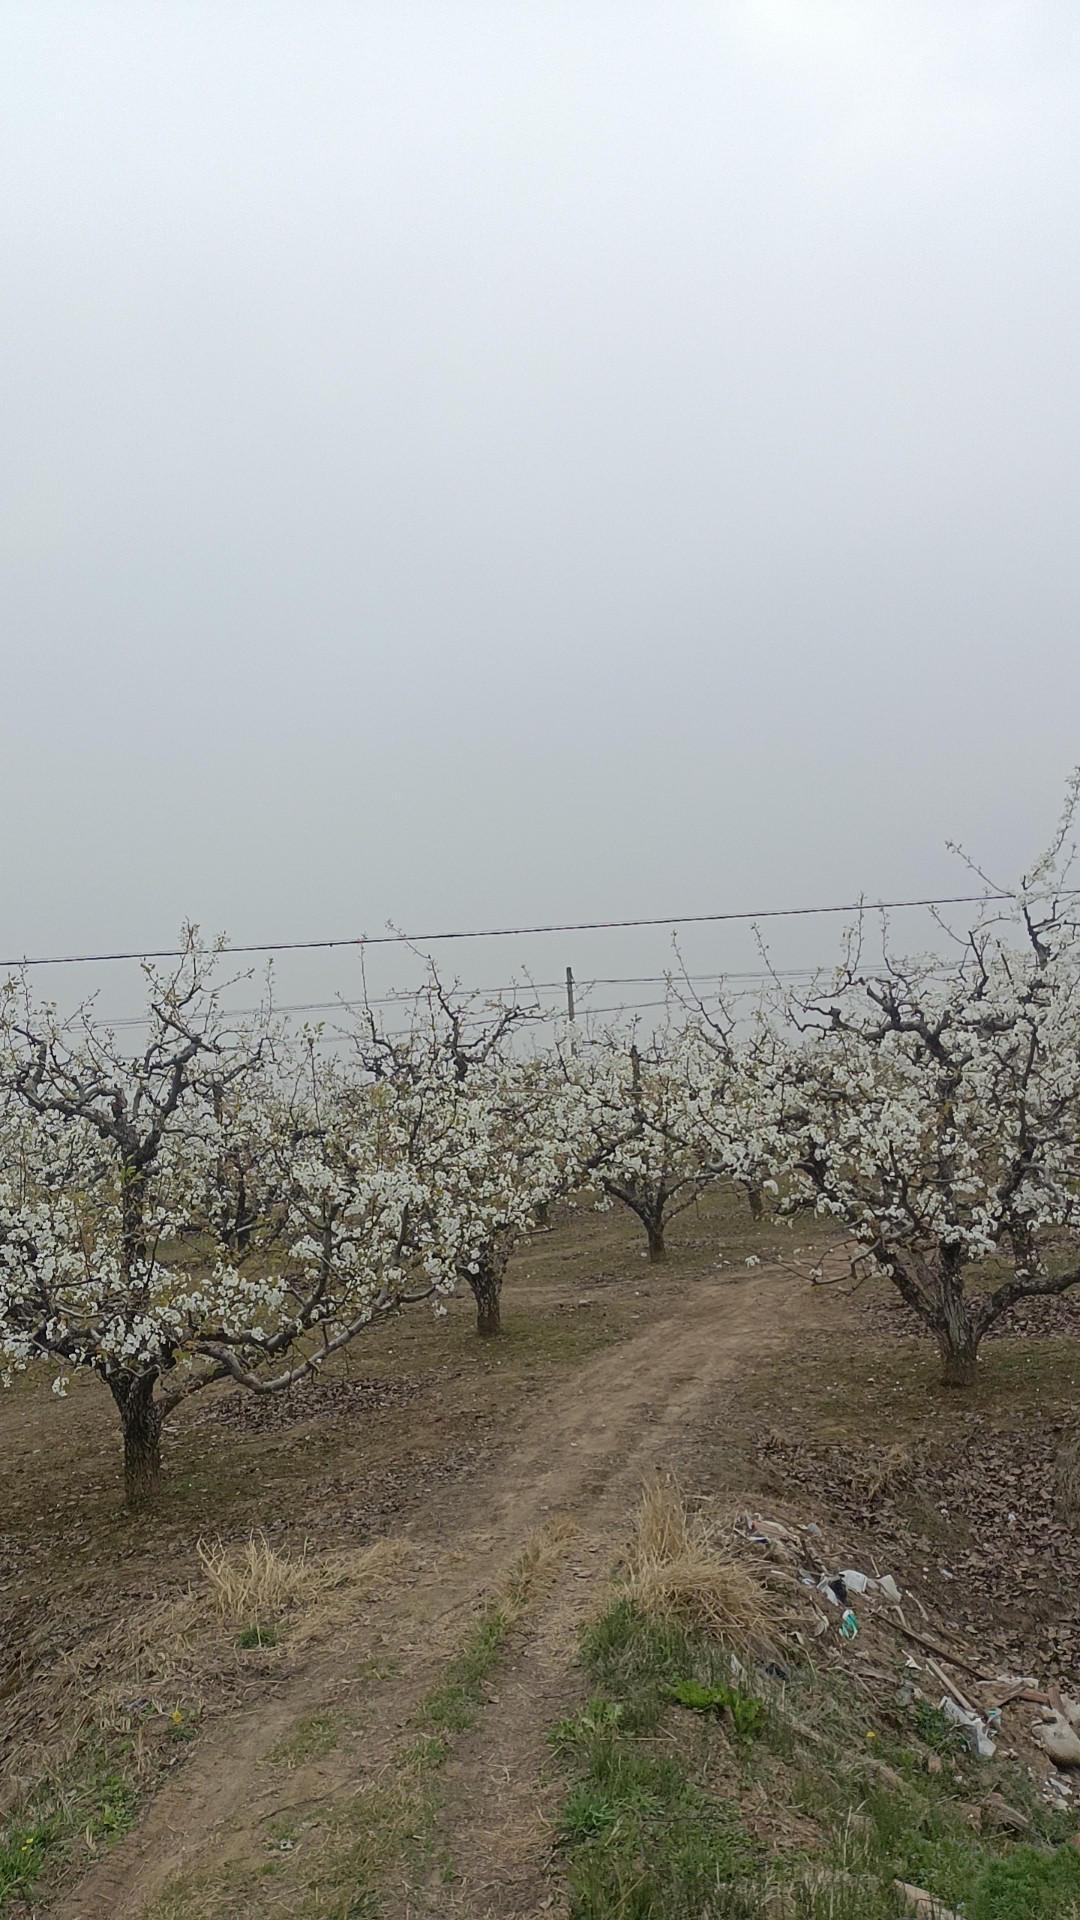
950 1686
942 1653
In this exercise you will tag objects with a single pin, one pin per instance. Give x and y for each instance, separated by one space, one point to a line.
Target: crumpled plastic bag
857 1582
971 1726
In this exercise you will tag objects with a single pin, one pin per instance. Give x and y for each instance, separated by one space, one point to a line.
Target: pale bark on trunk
954 1325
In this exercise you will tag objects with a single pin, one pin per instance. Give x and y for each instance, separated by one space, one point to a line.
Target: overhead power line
523 987
512 933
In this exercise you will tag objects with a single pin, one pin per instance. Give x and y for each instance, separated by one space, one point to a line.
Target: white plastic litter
858 1583
972 1726
767 1532
926 1905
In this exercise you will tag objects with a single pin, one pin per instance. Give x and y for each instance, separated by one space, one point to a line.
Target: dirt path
574 1469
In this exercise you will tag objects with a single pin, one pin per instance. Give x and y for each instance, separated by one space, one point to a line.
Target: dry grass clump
542 1553
339 1583
679 1566
255 1581
886 1470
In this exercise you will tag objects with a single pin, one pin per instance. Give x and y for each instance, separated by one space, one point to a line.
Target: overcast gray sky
472 463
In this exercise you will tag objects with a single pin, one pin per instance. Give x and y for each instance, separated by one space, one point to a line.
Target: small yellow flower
870 1734
177 1717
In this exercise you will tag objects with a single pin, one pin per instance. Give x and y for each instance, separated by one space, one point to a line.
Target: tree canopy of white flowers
639 1104
934 1110
191 1213
495 1134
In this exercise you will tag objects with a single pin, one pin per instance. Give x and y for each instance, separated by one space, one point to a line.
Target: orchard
235 1202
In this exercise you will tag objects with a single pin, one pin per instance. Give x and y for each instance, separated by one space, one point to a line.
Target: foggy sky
468 464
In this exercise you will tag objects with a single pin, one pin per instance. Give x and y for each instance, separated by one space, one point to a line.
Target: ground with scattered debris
402 1726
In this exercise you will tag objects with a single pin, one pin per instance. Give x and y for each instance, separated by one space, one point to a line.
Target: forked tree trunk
649 1211
141 1420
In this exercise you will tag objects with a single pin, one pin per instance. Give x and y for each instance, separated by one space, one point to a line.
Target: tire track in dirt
579 1459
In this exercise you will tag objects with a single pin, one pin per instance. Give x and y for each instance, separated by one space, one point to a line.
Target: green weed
935 1729
747 1712
258 1634
22 1856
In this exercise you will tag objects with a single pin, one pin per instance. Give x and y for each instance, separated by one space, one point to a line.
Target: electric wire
512 933
582 988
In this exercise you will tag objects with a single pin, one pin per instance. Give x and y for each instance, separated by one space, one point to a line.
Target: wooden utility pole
570 993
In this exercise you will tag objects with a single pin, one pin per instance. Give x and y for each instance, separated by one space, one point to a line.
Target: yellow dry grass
170 1655
680 1565
543 1551
884 1473
254 1581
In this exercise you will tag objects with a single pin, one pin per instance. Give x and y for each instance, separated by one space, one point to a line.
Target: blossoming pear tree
638 1105
495 1134
933 1109
197 1210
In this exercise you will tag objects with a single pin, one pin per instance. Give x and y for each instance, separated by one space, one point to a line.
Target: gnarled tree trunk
487 1292
657 1249
959 1352
954 1324
141 1418
934 1286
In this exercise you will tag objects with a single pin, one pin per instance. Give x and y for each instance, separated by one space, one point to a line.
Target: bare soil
579 1460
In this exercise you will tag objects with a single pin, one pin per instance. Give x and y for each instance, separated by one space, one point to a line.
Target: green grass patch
677 1736
53 1826
452 1707
23 1852
643 1837
1006 1882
